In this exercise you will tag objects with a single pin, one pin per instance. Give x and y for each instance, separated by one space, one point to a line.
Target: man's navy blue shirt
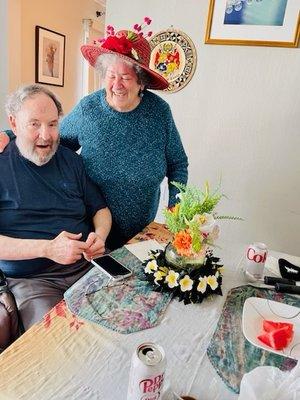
39 202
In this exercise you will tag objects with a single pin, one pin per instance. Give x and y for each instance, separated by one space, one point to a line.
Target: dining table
66 356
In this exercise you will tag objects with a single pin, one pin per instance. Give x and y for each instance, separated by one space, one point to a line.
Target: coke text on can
255 259
147 372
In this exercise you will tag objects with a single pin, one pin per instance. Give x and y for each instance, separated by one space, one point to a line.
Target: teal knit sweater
127 154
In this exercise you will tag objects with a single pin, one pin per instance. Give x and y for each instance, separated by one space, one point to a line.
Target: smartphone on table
111 267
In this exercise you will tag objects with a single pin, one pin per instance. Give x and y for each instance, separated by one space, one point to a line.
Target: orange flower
174 209
182 243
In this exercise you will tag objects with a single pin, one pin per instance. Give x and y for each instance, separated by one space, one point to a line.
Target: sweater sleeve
177 161
10 134
71 126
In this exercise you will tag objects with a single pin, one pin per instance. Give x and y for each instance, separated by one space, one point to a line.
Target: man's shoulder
68 155
9 149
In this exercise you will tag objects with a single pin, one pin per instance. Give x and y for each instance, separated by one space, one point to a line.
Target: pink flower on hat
110 30
137 27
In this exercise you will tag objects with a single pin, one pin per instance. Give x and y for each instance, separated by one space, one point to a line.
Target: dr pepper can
147 371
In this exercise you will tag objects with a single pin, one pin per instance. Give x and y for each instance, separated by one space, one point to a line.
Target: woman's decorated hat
129 45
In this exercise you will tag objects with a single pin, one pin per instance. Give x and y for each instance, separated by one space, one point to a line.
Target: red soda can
146 377
256 256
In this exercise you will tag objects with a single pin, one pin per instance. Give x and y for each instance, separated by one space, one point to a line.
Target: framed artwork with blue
253 23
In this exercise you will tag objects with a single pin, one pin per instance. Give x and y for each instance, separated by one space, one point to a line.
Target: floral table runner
230 352
124 306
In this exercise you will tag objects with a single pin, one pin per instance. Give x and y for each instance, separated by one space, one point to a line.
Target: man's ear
12 122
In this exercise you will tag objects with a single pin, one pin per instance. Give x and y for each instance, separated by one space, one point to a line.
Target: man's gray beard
32 156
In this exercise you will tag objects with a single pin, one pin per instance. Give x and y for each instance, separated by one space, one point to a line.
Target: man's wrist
101 234
44 248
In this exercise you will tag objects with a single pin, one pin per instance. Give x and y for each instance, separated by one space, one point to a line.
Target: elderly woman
128 137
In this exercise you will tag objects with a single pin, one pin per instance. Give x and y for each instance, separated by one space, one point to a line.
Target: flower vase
178 261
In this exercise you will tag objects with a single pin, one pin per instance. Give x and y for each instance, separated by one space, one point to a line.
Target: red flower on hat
118 44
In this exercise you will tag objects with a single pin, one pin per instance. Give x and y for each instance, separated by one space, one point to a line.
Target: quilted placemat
230 352
124 306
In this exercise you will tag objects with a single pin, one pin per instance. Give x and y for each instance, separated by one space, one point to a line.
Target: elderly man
51 214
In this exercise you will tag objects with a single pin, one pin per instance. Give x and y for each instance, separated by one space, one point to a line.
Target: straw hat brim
91 53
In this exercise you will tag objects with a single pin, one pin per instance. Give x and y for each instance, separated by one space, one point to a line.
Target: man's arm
102 222
66 248
96 240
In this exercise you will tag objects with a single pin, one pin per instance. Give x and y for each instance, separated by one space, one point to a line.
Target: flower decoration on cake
187 267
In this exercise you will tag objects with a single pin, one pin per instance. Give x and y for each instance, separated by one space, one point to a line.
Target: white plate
256 310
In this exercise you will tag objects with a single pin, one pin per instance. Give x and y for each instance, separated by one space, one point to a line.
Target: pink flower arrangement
139 27
118 44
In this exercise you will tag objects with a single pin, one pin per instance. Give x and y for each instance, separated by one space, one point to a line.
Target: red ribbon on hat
118 44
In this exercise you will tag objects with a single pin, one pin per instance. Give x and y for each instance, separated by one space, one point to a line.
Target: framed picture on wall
49 57
253 22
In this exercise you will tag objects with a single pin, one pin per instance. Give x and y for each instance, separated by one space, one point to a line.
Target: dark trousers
36 295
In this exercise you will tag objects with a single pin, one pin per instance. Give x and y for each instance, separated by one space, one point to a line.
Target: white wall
239 118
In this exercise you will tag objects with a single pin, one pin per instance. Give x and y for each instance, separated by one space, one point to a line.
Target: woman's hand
4 140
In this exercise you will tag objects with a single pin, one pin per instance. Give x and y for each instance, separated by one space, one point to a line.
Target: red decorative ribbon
118 44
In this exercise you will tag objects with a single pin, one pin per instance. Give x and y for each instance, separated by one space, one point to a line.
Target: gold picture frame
252 23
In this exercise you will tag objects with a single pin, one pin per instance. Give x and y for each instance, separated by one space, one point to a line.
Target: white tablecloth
67 360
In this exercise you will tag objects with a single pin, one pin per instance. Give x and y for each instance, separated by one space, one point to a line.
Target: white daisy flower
151 267
171 279
202 285
186 283
159 276
212 281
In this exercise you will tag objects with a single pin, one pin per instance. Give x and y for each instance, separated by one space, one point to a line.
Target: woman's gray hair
15 100
105 60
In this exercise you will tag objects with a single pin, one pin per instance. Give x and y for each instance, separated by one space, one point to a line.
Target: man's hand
66 248
96 246
4 140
